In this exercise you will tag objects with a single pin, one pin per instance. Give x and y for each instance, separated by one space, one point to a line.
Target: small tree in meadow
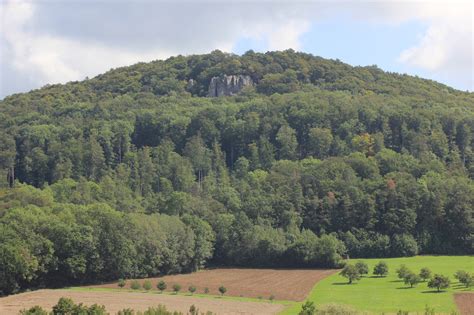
192 289
403 271
350 272
222 290
425 273
464 277
412 279
308 308
135 285
362 268
147 285
271 298
381 269
176 288
161 286
439 282
121 283
206 290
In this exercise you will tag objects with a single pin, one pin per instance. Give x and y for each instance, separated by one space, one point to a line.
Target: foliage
135 285
381 269
147 285
403 271
308 308
465 278
439 282
121 283
425 273
192 289
161 285
411 278
176 288
222 290
350 272
362 267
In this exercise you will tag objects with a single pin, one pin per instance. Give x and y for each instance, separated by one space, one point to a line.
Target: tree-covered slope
316 161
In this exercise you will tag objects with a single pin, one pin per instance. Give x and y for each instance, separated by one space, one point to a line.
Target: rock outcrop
227 85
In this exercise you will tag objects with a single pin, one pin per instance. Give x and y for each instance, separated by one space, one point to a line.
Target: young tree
192 289
351 273
271 298
381 269
403 271
362 268
176 288
425 273
147 285
411 279
135 285
439 282
464 277
222 290
206 290
161 286
121 283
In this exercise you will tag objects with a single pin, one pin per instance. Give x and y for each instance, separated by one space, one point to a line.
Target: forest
136 173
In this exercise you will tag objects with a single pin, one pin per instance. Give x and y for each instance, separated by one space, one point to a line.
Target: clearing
283 284
390 294
115 301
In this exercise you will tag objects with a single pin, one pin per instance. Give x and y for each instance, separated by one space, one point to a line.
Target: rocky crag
227 85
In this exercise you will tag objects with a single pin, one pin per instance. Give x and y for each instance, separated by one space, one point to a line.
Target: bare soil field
290 285
115 301
465 303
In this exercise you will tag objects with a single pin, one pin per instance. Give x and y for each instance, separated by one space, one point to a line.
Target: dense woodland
136 173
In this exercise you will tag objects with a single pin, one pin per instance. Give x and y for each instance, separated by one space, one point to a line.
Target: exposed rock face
227 85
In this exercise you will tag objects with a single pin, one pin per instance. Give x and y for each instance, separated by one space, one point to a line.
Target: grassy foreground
389 294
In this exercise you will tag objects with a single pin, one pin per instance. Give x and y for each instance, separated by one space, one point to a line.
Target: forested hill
137 172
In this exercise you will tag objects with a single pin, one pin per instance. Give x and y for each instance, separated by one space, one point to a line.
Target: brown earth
292 285
465 303
115 301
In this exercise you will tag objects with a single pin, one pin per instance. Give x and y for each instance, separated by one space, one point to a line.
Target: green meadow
390 294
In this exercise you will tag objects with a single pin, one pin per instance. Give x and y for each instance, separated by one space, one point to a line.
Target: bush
35 310
176 288
222 290
381 269
411 278
403 245
439 282
464 277
307 308
425 273
271 298
335 309
135 285
121 283
192 289
350 272
147 285
206 290
362 268
161 286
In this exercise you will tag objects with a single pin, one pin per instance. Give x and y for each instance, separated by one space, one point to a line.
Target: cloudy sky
53 41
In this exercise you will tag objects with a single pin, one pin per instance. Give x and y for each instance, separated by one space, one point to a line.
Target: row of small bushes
162 286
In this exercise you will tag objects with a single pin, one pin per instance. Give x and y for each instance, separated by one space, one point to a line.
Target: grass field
390 294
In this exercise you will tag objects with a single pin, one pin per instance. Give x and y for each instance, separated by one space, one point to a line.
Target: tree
161 286
362 268
192 289
35 310
308 308
121 283
222 290
381 269
206 290
350 272
147 285
403 271
176 288
425 273
411 278
319 142
439 282
465 278
286 137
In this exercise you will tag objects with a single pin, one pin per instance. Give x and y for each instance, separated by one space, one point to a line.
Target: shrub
308 308
222 290
381 269
64 306
161 286
335 309
439 282
206 290
147 285
176 288
425 273
192 289
362 268
350 272
135 285
271 298
35 310
121 283
403 271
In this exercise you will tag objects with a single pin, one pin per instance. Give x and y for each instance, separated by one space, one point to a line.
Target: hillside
138 172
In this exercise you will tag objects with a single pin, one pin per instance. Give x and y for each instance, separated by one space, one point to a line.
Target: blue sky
45 42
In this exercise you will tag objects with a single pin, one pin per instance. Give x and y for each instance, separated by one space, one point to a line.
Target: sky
52 41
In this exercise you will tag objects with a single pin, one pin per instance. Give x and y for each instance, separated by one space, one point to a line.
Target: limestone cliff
227 85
